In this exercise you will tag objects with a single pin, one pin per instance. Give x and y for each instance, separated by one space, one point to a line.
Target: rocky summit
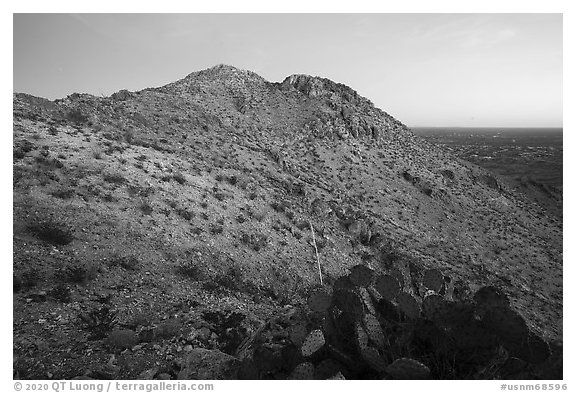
207 214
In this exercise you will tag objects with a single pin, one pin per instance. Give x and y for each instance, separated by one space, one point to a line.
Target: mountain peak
225 71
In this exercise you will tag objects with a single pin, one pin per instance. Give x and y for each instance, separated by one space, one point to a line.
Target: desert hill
188 208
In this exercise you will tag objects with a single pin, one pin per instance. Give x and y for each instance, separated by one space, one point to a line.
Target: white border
302 6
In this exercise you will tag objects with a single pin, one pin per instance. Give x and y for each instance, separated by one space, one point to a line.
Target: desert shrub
16 283
76 116
140 319
99 321
64 193
256 241
302 225
447 174
216 229
179 177
146 206
231 279
219 195
259 214
126 262
21 148
190 269
61 292
114 178
50 163
78 273
27 279
277 206
185 214
52 232
18 154
129 136
140 191
109 198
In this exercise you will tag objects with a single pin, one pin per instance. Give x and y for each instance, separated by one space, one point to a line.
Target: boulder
203 363
122 339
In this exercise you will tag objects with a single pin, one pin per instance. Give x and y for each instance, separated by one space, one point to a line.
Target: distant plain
533 153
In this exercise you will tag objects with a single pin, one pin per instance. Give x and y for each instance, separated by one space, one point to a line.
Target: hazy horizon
426 70
491 128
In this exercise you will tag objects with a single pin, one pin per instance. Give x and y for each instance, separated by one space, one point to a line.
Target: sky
451 70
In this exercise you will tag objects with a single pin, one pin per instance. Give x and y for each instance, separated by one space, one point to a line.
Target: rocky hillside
149 225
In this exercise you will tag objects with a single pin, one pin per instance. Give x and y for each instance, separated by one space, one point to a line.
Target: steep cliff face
221 175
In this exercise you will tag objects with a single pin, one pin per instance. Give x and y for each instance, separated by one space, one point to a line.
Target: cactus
508 325
248 370
290 356
404 271
408 305
361 276
434 307
320 300
303 371
361 336
343 283
388 286
406 368
449 293
490 297
435 339
349 302
397 273
328 326
473 337
374 295
338 376
388 311
298 334
345 325
374 359
313 343
327 369
374 330
532 349
366 299
340 356
461 291
433 279
456 314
